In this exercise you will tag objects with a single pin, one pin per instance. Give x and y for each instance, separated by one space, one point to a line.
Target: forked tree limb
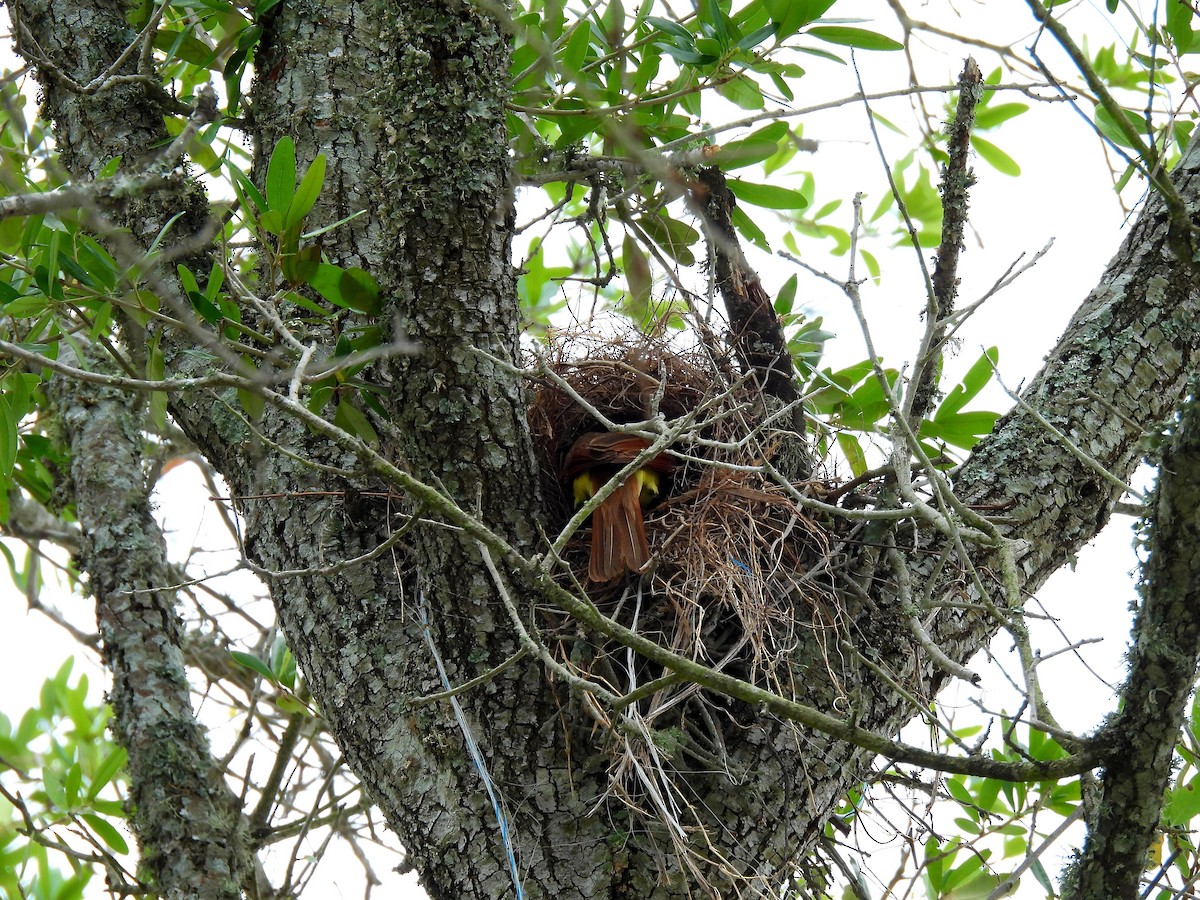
758 337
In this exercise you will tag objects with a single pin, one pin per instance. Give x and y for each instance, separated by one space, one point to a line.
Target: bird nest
740 578
740 571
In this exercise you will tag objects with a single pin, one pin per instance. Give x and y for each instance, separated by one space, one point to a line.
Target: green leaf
756 37
963 430
854 37
54 789
253 663
350 418
736 154
235 67
995 157
113 763
711 12
307 193
74 783
50 258
667 26
183 45
986 796
1183 133
646 70
352 288
8 439
973 382
106 832
853 452
773 133
283 664
187 279
710 47
1111 129
272 221
993 114
675 237
245 189
1039 872
870 262
299 264
156 371
612 23
807 344
837 384
27 307
937 858
208 310
686 56
962 875
981 886
216 277
958 790
747 229
1183 803
743 92
786 296
1179 24
304 303
637 271
252 402
766 195
575 52
308 235
792 15
867 405
100 266
281 176
320 395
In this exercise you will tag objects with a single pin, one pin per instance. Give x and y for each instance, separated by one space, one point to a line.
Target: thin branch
473 683
957 179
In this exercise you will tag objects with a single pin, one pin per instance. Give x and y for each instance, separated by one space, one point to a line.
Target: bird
618 530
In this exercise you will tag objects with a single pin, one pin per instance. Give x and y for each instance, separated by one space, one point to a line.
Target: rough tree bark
405 98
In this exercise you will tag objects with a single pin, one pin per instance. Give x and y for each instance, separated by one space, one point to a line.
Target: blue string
473 749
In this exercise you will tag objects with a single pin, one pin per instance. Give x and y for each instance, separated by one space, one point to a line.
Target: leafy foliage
61 800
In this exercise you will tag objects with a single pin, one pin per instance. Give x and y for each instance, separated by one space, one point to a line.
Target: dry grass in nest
620 378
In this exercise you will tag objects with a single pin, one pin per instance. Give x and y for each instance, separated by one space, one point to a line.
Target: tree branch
171 767
1164 660
957 179
758 337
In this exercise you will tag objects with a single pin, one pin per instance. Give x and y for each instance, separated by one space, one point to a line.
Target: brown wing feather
618 531
618 535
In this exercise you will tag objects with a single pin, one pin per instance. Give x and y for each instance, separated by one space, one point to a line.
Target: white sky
1063 194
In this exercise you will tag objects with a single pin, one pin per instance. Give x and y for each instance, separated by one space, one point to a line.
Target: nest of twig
737 563
625 380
